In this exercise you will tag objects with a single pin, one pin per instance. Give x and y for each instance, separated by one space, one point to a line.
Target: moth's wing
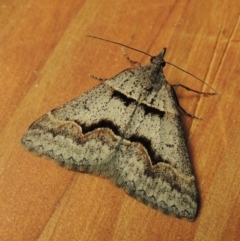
152 161
84 133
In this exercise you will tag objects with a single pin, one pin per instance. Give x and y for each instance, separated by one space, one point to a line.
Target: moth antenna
113 42
194 76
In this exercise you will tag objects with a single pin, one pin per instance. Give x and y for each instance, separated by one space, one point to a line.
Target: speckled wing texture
128 130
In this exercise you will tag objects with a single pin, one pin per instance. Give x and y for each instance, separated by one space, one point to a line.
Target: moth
127 129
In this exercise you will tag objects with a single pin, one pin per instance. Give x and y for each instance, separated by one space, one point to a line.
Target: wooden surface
45 60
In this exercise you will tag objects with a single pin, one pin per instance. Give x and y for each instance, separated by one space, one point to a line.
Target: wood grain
45 62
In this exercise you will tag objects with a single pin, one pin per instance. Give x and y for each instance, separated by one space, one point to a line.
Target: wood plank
45 62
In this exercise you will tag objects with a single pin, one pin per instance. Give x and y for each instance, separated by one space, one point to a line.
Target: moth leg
127 57
130 60
196 91
182 109
186 113
104 79
98 78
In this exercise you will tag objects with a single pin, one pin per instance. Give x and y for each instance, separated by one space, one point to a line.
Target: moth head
159 59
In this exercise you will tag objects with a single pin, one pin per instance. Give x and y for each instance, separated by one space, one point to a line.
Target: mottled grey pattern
126 129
